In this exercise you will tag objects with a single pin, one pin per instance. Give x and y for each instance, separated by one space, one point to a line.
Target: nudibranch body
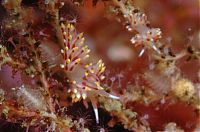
74 54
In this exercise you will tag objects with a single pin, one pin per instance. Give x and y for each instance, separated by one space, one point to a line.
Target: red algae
159 114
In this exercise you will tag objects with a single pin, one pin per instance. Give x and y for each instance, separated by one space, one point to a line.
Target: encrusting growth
184 89
4 56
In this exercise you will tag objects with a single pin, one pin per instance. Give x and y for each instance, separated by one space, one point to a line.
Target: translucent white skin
95 106
90 95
